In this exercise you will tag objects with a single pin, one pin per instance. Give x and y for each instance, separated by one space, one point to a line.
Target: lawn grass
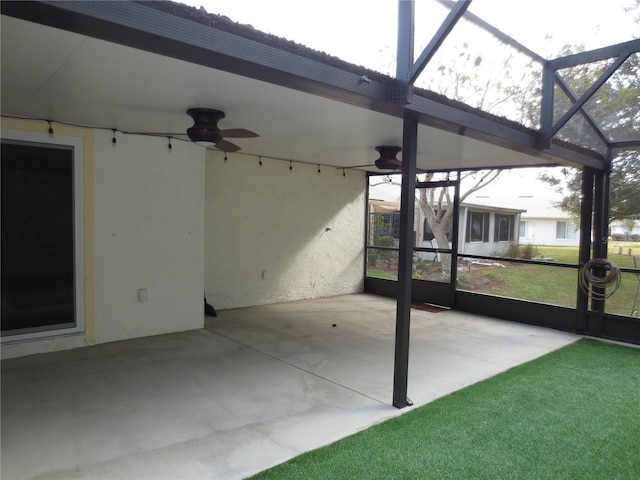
545 284
557 286
537 283
570 254
571 414
377 273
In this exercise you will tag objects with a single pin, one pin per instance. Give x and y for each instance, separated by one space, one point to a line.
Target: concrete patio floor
256 387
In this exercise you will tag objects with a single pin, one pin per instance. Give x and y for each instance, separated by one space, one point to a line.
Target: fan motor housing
388 160
205 125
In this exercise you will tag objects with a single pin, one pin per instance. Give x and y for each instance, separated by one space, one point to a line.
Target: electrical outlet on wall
143 295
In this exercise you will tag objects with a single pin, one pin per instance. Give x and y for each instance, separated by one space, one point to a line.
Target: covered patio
255 387
133 382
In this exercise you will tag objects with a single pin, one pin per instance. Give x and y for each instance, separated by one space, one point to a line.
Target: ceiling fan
387 160
205 130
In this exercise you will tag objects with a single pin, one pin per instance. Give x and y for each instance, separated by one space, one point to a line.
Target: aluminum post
405 257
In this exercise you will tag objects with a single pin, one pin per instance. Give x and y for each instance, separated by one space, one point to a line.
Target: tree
495 88
616 109
628 225
498 83
436 204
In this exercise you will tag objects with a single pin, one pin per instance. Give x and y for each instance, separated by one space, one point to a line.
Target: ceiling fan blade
158 134
227 146
369 165
238 133
388 164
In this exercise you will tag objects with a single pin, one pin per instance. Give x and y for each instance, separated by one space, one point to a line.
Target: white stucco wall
143 229
276 235
149 234
618 228
542 231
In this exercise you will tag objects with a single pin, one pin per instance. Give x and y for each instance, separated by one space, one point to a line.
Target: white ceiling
62 76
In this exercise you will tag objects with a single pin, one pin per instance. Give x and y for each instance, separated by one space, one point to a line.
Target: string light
114 141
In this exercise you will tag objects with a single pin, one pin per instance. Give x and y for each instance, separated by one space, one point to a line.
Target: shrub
528 251
387 255
424 268
512 251
635 237
463 279
372 258
521 251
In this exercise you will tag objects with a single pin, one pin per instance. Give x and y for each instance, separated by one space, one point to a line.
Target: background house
541 222
488 229
483 229
619 230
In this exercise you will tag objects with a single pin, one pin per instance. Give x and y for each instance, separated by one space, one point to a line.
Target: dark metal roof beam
546 106
404 53
626 49
578 104
427 54
137 26
445 117
626 144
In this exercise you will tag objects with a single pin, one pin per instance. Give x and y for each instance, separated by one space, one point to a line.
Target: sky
364 32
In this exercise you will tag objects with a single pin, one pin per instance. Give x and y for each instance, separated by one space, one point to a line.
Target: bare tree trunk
438 217
437 206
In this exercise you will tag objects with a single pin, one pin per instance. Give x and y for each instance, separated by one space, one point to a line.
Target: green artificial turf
572 414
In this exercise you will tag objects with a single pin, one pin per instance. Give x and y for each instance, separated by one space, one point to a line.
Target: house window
41 242
524 228
561 230
504 228
478 227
